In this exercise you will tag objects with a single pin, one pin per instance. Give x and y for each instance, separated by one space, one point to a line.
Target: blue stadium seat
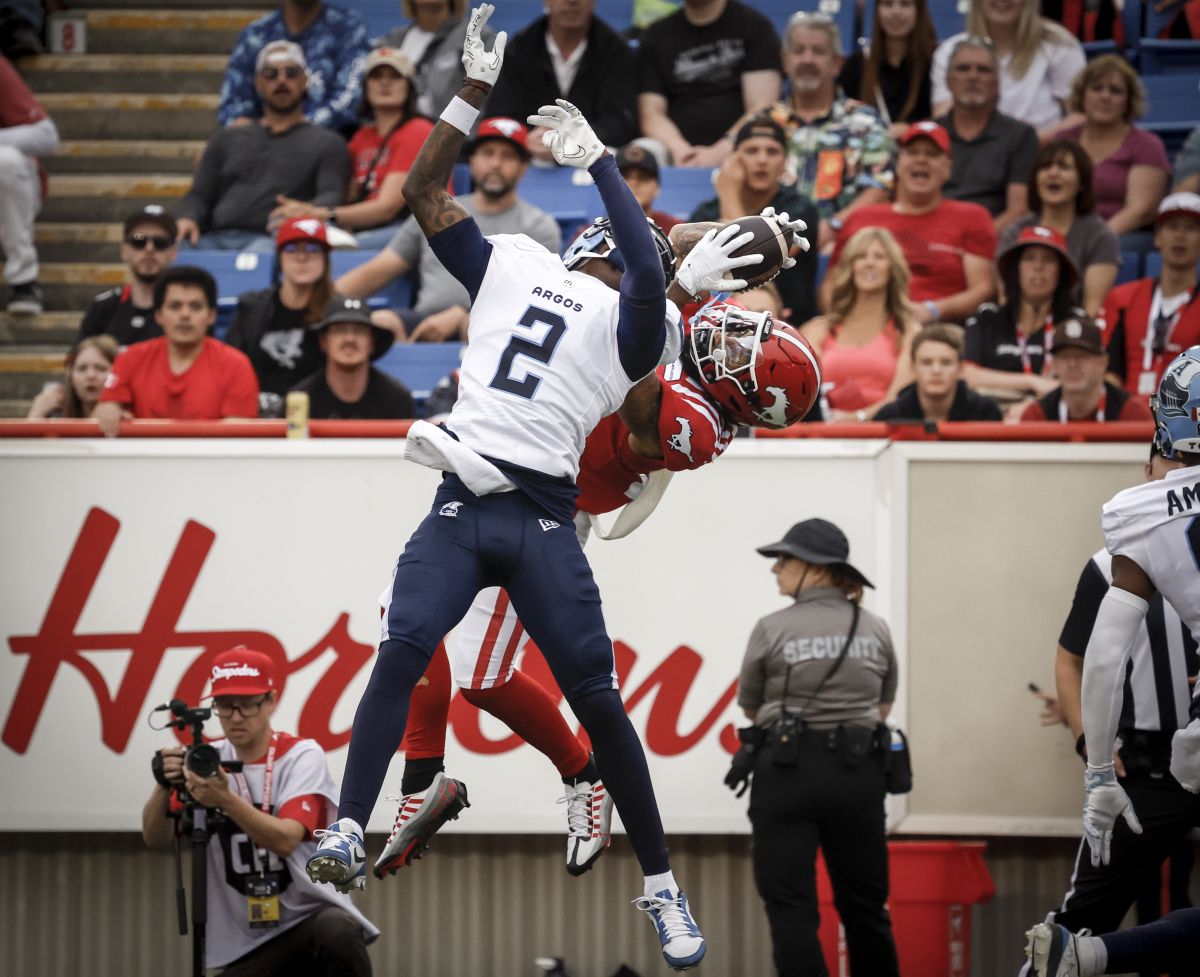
397 294
381 16
565 193
462 179
1153 264
949 17
419 366
1156 55
683 188
1130 267
1174 106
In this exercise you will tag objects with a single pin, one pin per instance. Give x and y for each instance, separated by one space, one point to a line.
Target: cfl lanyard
244 787
1159 329
1062 408
1047 343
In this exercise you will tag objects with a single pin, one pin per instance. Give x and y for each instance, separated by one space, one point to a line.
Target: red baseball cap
501 127
1181 202
927 130
1047 237
301 229
241 671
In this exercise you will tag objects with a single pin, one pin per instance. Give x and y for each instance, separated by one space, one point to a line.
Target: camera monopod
199 823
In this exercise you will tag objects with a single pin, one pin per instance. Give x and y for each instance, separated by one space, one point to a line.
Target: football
771 241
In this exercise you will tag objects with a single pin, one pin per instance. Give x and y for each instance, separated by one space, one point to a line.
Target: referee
1155 704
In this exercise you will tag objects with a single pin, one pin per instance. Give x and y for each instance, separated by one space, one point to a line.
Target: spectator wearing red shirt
184 374
26 132
948 244
1083 393
381 153
1152 320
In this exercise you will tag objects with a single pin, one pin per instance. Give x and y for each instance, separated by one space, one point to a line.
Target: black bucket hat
342 309
819 542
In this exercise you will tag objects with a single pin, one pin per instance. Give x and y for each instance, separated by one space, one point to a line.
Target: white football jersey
541 368
1157 525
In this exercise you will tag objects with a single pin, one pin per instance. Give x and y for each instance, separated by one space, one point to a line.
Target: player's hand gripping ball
773 236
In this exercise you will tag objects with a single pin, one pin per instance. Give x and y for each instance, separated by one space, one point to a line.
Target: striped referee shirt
1157 693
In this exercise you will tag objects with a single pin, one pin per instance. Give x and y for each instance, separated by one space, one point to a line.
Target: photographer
264 915
817 679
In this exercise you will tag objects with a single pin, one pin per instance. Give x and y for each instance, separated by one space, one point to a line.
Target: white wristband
460 114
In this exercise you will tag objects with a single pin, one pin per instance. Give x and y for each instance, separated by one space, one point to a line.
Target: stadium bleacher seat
1153 264
419 366
683 188
1130 267
398 294
949 17
565 193
1174 106
1155 55
842 11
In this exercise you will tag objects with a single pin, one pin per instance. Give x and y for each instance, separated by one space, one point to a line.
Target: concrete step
131 115
78 242
121 31
10 409
68 285
49 328
126 156
91 199
24 373
161 73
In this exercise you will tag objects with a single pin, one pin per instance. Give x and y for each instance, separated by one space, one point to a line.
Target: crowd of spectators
968 200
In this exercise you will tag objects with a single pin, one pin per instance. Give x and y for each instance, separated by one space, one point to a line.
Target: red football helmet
760 371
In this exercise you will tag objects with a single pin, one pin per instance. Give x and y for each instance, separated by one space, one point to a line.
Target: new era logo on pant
547 524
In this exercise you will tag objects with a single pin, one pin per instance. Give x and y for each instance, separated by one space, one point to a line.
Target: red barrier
1082 431
933 885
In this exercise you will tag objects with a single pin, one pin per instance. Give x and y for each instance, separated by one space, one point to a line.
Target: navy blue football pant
1171 943
465 544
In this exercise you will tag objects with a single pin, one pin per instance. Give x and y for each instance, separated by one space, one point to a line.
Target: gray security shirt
439 289
807 637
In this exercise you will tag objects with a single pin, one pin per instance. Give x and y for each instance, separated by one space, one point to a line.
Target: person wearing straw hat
818 678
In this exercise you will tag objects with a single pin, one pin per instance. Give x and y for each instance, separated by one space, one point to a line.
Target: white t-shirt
1039 97
542 366
1157 525
301 776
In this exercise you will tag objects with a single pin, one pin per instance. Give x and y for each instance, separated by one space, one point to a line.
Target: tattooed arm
425 188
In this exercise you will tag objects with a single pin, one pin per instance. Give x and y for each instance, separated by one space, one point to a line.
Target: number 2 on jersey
543 352
1193 537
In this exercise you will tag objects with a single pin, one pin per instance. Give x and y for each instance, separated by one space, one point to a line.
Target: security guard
817 679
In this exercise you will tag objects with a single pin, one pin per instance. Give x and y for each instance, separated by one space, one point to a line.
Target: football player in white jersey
551 352
1153 533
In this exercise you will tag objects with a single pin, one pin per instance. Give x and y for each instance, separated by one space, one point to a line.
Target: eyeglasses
290 71
139 242
248 709
302 247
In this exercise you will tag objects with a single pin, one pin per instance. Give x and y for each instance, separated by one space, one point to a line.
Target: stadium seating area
134 109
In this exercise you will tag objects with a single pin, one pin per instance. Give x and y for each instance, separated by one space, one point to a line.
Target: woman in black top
1008 345
271 326
892 73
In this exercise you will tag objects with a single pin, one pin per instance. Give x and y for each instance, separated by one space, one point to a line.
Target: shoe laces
322 833
579 810
401 815
672 916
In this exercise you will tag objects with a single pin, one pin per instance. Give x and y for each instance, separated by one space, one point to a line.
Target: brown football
771 241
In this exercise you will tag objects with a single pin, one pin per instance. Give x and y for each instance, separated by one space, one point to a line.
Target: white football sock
656 883
1092 955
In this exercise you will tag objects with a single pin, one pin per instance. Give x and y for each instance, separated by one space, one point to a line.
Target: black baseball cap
819 542
341 309
151 214
761 127
635 157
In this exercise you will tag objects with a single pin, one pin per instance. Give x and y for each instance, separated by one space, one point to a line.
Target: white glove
707 264
481 64
796 227
1185 756
1106 801
570 140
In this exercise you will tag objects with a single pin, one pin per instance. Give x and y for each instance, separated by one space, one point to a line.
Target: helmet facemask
727 346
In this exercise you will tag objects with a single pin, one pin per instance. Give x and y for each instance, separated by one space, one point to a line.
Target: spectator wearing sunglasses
334 42
271 325
248 172
127 312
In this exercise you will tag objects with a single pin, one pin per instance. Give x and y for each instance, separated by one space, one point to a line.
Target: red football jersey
691 432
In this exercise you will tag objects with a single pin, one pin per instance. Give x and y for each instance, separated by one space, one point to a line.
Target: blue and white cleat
682 945
1051 950
340 858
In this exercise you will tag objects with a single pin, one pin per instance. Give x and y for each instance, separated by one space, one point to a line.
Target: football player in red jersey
738 367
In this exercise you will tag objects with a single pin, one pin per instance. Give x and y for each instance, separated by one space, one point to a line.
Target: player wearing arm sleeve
1153 534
